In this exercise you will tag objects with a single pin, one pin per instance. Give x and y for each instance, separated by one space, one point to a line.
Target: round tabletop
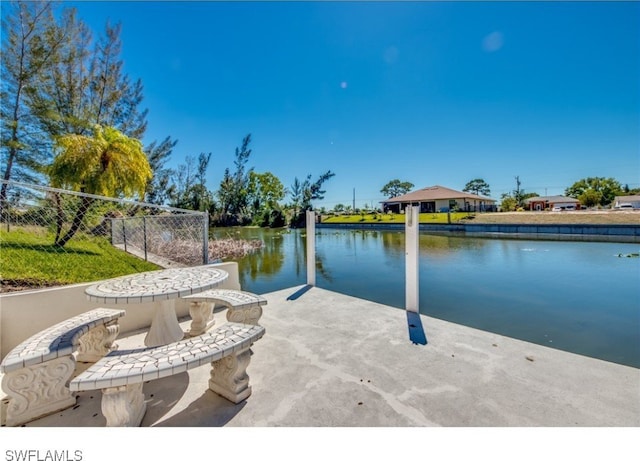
156 285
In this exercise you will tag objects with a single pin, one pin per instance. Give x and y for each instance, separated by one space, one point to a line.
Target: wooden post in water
311 248
412 251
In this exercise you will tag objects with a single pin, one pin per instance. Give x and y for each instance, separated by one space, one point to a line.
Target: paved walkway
330 360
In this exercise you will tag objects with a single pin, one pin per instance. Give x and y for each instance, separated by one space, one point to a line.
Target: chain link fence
51 236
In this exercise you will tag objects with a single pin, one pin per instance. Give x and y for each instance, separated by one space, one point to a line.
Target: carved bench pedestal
38 390
98 342
229 377
123 406
202 320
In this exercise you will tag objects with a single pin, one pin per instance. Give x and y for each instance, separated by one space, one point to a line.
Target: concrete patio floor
330 360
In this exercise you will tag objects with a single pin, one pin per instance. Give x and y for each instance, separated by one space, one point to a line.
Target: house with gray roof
438 198
550 202
623 202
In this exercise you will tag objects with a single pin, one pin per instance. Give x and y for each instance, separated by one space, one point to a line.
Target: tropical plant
109 164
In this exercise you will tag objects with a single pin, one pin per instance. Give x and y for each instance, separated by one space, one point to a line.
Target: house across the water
627 202
439 199
557 202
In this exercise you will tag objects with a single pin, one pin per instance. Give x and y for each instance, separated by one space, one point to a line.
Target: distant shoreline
600 217
605 217
598 232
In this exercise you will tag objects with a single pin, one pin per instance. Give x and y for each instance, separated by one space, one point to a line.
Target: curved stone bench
243 307
38 370
121 374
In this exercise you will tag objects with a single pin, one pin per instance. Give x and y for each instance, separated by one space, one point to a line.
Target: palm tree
109 164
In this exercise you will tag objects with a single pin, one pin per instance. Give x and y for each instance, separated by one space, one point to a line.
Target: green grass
427 218
606 217
29 259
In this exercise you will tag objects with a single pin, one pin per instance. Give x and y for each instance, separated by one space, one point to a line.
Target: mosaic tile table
165 286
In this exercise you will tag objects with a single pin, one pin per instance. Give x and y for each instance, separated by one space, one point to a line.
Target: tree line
243 196
72 118
591 191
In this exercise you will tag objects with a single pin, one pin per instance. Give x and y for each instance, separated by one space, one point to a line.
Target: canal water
581 297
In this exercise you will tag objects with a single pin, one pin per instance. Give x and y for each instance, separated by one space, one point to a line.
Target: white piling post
412 252
311 248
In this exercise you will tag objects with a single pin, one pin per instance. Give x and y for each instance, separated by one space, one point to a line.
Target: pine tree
157 155
28 46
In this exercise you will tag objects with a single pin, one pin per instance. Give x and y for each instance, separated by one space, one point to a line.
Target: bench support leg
123 406
229 378
98 342
201 317
38 390
247 315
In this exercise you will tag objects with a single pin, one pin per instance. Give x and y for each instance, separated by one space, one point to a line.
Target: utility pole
354 199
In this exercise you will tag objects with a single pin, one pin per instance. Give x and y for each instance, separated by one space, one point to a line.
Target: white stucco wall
23 314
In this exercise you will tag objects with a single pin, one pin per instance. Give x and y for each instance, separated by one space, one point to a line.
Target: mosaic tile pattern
56 341
156 285
127 367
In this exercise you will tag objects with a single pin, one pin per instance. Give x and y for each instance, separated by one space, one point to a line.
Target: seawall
627 233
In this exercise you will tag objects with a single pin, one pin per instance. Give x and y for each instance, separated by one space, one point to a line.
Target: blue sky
426 92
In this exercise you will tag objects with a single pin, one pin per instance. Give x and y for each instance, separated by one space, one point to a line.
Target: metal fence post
205 238
311 248
124 235
412 251
144 236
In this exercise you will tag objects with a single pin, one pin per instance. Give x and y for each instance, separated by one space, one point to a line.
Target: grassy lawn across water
433 218
28 259
520 217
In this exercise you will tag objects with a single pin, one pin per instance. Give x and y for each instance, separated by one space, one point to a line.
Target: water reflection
575 296
269 261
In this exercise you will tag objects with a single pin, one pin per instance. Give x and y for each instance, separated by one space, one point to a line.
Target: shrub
277 219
